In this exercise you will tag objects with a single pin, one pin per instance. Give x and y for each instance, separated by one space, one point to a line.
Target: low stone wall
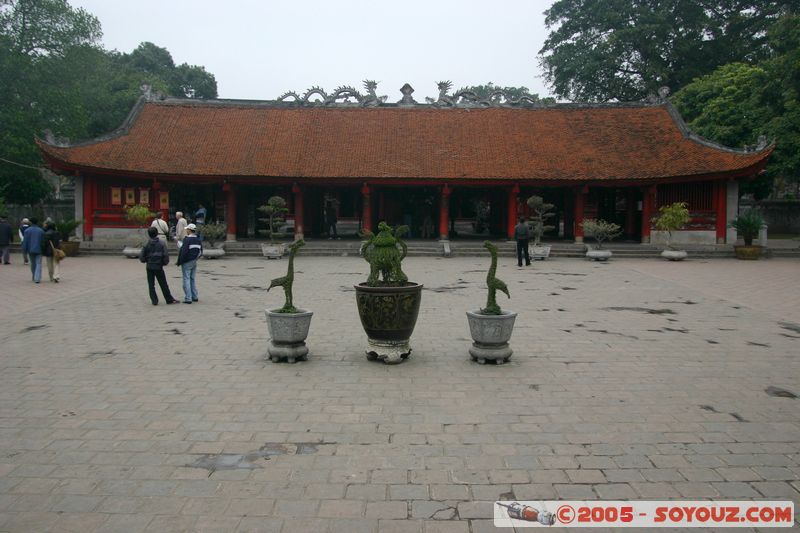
781 216
684 237
56 210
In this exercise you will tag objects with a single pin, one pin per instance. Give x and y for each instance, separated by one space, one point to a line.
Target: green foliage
493 283
139 214
672 218
275 209
601 231
213 232
484 91
747 225
624 50
541 212
384 257
66 228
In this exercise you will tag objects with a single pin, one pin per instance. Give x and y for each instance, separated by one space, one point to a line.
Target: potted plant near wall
672 218
275 209
388 304
541 212
600 231
213 234
747 226
491 327
139 215
66 229
288 326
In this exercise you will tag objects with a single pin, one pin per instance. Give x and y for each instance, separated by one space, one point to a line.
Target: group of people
156 256
38 244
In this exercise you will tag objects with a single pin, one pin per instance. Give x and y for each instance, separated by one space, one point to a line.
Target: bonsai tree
66 228
384 258
287 280
748 224
672 218
540 214
275 209
600 230
139 215
494 284
216 231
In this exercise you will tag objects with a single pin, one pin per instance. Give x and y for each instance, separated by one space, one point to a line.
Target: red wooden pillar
366 217
444 213
722 210
630 212
580 202
513 198
88 207
648 207
299 214
230 211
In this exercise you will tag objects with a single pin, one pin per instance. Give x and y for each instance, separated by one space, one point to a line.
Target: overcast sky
259 49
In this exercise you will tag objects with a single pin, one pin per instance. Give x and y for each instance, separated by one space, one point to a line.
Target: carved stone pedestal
390 352
290 352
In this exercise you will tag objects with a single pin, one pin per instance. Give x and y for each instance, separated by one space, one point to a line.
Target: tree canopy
484 91
56 76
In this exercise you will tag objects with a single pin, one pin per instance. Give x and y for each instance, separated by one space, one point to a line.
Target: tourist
25 224
200 214
33 239
162 228
191 250
330 218
51 242
6 236
180 228
154 254
522 234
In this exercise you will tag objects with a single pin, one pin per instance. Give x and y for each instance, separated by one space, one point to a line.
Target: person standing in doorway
188 255
154 254
180 228
52 242
331 218
33 239
522 234
6 236
25 224
200 215
162 228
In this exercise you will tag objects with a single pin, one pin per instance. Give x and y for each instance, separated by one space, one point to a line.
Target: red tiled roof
557 143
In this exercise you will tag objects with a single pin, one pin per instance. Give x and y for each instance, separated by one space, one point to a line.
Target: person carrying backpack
154 254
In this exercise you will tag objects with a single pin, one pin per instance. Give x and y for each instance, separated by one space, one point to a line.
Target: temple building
458 165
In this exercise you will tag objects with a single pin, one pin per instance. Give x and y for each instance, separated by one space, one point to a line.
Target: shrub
275 209
540 213
748 224
672 218
601 231
216 231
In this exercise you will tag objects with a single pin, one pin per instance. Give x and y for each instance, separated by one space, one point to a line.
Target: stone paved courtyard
637 379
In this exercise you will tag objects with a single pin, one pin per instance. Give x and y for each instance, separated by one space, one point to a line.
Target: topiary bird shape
287 280
493 283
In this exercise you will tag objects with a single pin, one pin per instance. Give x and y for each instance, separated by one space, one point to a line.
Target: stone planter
490 336
288 333
540 252
132 252
674 255
214 252
751 252
388 315
272 251
599 255
71 248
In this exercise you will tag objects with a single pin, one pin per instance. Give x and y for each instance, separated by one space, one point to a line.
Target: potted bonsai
600 231
491 327
288 326
275 209
541 212
747 225
139 215
388 307
214 234
672 218
66 228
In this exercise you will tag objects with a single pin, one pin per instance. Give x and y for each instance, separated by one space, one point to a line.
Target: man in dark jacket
32 242
522 234
6 236
52 242
188 254
154 254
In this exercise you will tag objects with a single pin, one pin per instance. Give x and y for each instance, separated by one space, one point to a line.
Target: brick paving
636 379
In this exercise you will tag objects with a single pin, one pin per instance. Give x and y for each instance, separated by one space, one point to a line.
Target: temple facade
450 168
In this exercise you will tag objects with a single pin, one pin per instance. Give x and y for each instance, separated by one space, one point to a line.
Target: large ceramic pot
751 252
599 255
388 315
490 335
540 252
214 252
132 252
70 248
288 333
272 251
674 255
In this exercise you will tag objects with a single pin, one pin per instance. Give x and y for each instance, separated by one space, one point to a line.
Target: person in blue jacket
32 242
190 252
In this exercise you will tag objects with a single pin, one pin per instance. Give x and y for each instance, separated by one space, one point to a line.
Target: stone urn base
213 252
272 251
599 255
490 335
288 333
131 252
751 252
541 252
388 315
674 255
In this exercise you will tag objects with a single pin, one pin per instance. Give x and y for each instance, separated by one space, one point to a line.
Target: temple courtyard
633 379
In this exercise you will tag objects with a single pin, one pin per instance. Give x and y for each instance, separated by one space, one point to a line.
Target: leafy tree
37 28
183 81
483 91
600 50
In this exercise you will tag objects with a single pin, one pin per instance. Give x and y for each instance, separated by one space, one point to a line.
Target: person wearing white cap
190 251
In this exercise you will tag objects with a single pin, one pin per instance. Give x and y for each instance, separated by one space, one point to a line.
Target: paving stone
735 489
400 526
387 510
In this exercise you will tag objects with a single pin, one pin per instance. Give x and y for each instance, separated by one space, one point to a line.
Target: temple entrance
248 199
189 199
478 213
323 204
417 208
